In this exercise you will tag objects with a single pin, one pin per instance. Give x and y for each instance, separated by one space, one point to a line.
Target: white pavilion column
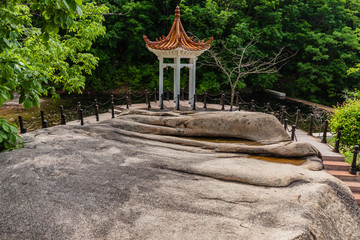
177 79
193 78
190 80
161 76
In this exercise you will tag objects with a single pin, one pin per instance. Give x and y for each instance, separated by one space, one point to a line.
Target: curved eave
178 52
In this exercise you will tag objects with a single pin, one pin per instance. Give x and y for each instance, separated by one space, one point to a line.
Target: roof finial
177 13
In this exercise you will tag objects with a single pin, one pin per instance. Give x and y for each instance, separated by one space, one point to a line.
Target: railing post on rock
237 98
130 98
338 137
293 129
205 99
178 102
326 124
127 102
282 114
194 104
43 121
252 107
221 97
22 129
162 101
310 132
353 164
96 110
112 109
168 94
285 123
182 94
81 117
297 118
146 96
267 107
222 101
78 107
148 99
62 115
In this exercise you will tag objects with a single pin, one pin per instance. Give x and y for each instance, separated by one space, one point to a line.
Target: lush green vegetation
324 32
43 47
347 117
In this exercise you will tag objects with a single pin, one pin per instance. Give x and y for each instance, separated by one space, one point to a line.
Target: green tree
43 46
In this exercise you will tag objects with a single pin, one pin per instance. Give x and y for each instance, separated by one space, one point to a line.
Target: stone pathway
334 163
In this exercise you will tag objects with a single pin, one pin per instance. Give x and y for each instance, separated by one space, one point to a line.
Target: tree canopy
324 32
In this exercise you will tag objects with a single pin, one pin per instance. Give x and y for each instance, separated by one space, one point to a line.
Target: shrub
347 116
9 137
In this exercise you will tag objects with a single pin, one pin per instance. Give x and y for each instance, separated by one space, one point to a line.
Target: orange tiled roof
177 38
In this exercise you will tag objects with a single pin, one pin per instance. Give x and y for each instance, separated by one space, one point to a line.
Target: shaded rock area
102 181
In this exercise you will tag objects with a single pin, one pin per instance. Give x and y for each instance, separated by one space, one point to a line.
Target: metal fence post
112 109
326 124
43 121
237 98
338 137
285 123
222 101
267 107
297 118
96 110
178 102
194 104
182 94
62 116
205 99
310 132
162 101
127 102
168 94
282 114
293 129
353 164
81 117
22 129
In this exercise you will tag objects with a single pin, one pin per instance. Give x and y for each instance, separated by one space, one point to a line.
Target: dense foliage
324 32
44 46
347 117
9 137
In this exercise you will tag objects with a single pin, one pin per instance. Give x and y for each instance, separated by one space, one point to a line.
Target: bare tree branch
240 62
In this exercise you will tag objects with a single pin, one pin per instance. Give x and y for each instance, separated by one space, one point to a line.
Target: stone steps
336 165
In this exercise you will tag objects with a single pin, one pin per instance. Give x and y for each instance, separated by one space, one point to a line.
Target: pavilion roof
177 38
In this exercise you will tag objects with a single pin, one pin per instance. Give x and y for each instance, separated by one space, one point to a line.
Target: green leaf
79 11
27 103
12 139
46 36
6 128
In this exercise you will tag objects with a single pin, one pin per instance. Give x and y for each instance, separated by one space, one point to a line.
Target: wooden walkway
334 163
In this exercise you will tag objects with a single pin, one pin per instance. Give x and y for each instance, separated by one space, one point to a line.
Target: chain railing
317 119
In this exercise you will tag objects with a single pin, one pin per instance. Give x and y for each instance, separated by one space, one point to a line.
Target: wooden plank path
334 163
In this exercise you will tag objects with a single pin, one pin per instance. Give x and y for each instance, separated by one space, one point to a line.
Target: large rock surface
103 182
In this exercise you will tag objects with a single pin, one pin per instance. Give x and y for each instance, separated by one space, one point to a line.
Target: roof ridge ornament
177 13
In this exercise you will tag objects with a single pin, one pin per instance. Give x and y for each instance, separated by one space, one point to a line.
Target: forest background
324 32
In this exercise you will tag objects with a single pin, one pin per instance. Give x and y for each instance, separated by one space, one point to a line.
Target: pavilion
177 45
